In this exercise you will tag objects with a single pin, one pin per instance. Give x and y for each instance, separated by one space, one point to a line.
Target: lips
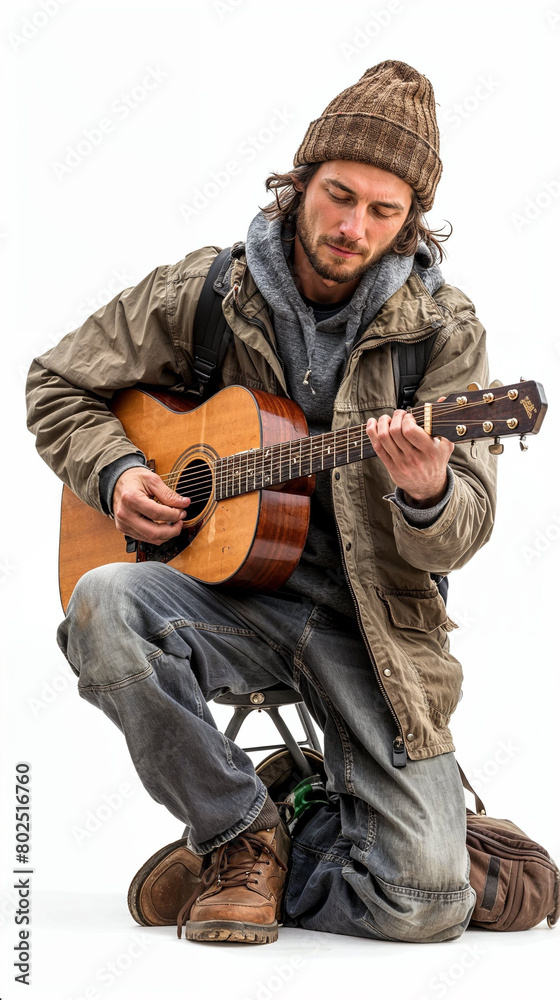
342 253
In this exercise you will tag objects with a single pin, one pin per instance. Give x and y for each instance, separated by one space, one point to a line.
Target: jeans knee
419 917
98 636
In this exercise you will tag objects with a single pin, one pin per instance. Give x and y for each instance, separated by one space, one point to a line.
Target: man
331 276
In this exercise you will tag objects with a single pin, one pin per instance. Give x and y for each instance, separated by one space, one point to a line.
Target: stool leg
299 758
308 727
236 721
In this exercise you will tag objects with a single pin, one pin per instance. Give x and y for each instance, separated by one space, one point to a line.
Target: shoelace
228 874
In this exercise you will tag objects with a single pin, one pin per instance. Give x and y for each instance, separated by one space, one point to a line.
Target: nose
353 225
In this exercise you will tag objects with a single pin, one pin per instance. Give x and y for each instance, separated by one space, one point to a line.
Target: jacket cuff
109 475
422 517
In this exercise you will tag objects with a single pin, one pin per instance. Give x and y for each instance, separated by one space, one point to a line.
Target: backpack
517 883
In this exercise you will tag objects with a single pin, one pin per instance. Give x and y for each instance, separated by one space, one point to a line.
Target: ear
298 186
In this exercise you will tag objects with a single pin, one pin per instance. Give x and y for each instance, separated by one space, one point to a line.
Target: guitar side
254 540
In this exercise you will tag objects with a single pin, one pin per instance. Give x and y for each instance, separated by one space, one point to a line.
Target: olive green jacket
145 334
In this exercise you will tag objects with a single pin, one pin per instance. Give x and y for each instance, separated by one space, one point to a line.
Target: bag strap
211 330
409 365
480 807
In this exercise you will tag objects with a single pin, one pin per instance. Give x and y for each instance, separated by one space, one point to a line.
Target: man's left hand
416 462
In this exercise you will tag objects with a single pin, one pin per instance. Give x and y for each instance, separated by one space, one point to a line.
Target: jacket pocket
422 610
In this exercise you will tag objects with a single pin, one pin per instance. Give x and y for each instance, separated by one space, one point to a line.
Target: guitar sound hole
195 482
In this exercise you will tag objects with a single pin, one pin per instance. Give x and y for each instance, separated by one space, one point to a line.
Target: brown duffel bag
517 883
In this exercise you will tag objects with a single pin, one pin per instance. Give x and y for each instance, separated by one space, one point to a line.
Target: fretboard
261 467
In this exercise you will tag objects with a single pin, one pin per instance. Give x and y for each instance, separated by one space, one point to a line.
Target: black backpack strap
211 330
409 365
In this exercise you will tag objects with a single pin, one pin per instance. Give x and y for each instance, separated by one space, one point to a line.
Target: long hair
413 230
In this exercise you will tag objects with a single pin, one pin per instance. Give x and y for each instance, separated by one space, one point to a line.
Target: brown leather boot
163 884
242 890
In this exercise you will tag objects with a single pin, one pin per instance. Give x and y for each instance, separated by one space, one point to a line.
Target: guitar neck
263 467
517 409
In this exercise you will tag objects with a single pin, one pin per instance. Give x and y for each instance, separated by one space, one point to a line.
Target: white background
145 194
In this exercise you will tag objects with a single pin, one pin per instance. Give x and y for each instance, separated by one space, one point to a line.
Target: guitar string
195 485
328 439
184 480
202 483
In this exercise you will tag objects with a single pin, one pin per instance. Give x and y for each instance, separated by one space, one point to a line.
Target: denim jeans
387 857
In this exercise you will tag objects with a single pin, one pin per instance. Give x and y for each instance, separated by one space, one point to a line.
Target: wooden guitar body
251 540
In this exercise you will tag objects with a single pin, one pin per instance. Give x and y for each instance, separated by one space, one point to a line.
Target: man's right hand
137 511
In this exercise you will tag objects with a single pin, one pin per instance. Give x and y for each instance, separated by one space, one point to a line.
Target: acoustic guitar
246 461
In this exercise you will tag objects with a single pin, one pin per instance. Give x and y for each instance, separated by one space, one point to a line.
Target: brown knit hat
387 118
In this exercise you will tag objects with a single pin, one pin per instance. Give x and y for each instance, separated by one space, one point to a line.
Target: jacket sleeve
466 522
129 340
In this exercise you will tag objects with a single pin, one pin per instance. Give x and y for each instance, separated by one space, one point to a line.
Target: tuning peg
496 384
474 387
473 447
522 442
522 379
496 448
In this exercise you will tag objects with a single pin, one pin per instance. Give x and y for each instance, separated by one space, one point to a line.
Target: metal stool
270 700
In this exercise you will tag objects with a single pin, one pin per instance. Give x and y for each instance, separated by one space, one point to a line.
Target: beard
337 269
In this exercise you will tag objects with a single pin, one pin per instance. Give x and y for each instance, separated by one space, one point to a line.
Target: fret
251 470
306 456
266 475
316 453
284 462
258 468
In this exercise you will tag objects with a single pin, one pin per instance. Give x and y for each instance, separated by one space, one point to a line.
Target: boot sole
231 930
139 879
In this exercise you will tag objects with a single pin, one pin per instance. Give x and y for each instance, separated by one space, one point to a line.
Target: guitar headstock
493 413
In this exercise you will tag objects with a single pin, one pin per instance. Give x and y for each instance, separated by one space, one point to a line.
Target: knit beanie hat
388 119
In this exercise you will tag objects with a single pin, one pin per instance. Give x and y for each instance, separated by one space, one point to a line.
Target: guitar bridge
145 552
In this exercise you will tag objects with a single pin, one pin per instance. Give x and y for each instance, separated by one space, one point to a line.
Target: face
349 217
